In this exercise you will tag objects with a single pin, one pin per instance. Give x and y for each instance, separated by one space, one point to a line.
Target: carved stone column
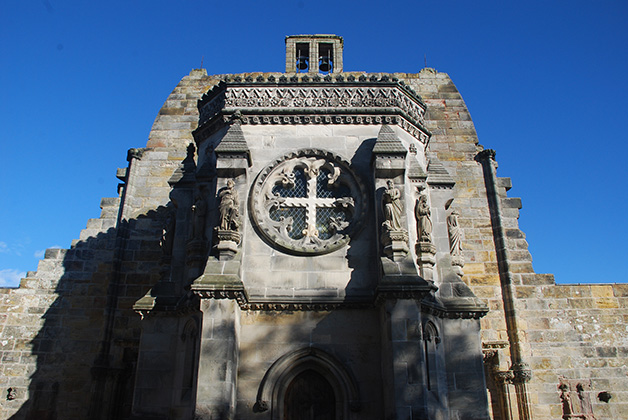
504 379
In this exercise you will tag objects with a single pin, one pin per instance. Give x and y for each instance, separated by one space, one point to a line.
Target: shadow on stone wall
81 362
359 339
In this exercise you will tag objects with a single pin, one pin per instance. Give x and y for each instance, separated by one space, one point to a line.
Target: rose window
308 202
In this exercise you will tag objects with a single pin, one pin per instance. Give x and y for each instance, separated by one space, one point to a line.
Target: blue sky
545 83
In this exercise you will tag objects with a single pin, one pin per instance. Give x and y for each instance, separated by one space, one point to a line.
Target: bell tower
314 54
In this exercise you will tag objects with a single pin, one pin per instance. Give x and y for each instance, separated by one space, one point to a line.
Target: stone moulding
237 295
294 101
441 311
303 306
241 297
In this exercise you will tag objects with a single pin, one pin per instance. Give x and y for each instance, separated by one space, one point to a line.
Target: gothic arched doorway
309 396
308 384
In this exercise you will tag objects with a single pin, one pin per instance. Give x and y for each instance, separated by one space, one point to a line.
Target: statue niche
199 211
391 200
167 235
455 242
229 221
424 247
424 219
394 236
229 203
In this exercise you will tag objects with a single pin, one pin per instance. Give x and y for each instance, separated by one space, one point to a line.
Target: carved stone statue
575 399
425 249
394 237
565 400
167 234
199 209
585 401
391 202
423 218
455 241
229 202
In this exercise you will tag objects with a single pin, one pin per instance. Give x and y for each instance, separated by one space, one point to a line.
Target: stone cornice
439 310
303 99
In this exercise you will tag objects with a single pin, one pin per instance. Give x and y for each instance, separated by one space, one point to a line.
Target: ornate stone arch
430 332
275 383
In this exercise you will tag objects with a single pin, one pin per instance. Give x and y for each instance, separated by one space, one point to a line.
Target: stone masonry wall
577 332
52 328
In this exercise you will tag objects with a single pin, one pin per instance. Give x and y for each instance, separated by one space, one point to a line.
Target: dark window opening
310 397
325 58
303 57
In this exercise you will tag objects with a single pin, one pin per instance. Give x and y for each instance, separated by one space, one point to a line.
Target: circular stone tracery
308 202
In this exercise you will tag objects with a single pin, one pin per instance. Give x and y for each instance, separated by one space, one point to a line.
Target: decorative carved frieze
443 312
417 294
300 306
298 102
237 295
241 298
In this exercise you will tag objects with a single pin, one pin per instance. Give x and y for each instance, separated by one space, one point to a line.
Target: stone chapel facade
314 244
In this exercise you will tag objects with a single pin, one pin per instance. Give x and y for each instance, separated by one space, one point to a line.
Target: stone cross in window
308 202
317 195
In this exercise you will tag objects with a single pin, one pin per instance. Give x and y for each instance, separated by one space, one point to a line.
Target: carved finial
236 117
190 150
